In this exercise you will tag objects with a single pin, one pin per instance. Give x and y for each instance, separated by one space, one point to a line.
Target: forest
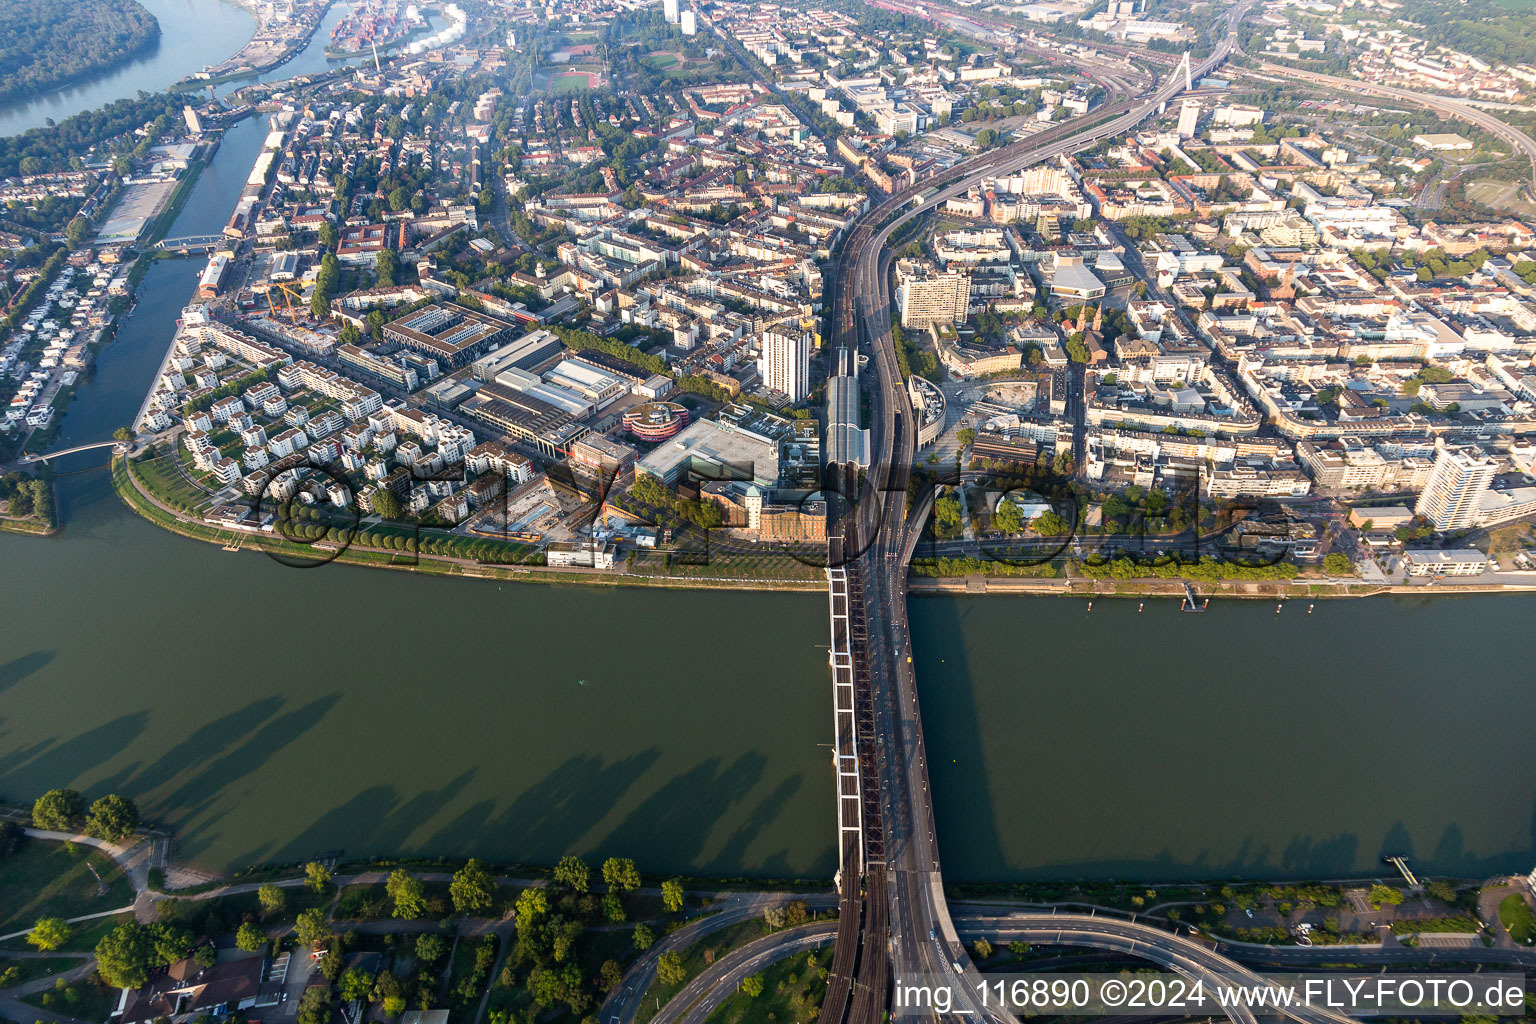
45 44
58 146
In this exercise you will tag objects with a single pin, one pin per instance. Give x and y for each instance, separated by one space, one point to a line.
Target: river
1160 745
193 35
267 713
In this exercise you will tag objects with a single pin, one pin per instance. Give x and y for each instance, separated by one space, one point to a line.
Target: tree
49 933
388 263
644 937
112 818
327 234
320 305
57 810
796 913
532 906
752 985
430 947
386 504
124 434
1009 517
250 937
11 837
670 969
982 948
573 873
398 199
205 956
1441 890
408 894
773 917
124 954
966 436
947 511
355 984
393 1006
316 876
272 899
672 895
315 1005
472 888
613 908
1381 894
312 928
1049 524
172 942
76 232
1338 564
620 873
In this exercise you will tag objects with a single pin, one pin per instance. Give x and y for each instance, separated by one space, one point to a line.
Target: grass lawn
697 957
19 972
466 980
362 903
1517 918
224 913
661 61
82 1000
570 83
163 479
1500 195
792 990
50 879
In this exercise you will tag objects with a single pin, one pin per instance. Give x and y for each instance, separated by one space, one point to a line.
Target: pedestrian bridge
118 448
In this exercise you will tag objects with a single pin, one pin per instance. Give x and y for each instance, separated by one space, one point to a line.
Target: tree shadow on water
17 669
550 818
47 764
375 821
674 823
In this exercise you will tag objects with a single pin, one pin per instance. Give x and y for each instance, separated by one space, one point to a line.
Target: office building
448 332
1457 483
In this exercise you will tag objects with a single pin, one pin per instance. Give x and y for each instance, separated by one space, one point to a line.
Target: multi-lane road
896 919
1518 140
881 535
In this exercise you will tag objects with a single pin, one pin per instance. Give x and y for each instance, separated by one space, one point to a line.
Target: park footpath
137 860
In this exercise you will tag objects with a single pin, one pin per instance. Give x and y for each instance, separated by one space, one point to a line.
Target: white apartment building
785 363
1454 494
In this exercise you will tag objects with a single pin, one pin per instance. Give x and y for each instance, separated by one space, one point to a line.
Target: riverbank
65 70
271 45
1282 590
376 550
138 496
28 527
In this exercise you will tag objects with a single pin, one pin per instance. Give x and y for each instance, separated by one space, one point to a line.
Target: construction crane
290 297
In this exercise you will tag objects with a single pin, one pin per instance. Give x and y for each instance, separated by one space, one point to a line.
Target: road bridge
189 244
898 921
903 922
